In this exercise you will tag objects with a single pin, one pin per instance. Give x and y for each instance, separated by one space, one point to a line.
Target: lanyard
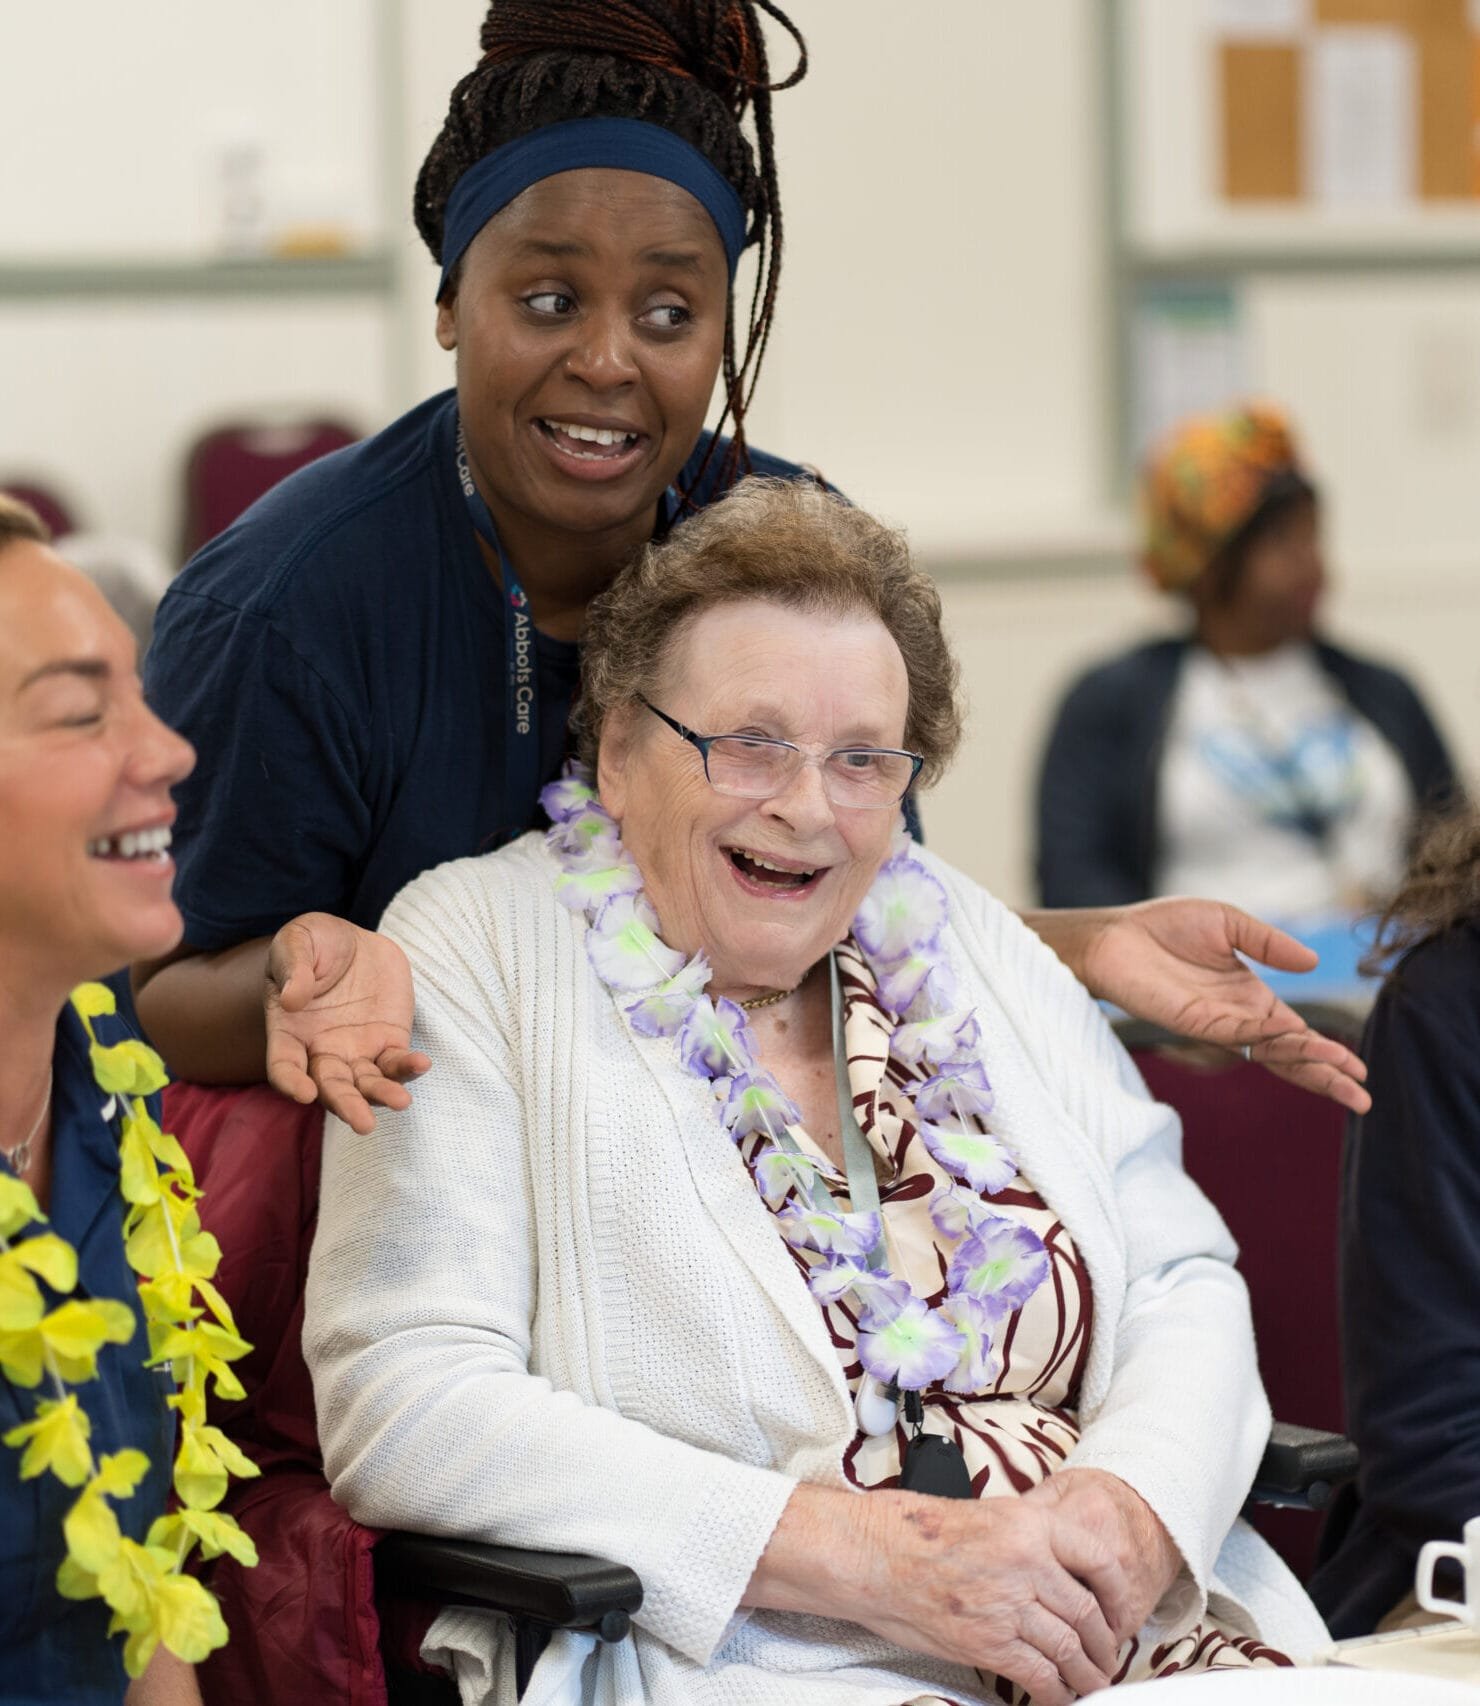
520 675
930 1463
858 1157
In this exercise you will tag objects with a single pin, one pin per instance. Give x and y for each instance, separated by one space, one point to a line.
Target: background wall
945 351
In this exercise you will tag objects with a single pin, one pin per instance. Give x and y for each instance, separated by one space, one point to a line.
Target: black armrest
558 1590
1302 1467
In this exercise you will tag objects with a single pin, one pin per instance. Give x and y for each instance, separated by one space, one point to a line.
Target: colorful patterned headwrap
1206 480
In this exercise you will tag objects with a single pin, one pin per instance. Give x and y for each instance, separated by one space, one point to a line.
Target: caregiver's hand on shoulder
1094 1513
1176 963
978 1583
338 1001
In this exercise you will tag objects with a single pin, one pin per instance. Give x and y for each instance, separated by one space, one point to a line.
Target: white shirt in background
1253 747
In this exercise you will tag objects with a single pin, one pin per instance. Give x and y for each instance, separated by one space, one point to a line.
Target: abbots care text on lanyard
519 661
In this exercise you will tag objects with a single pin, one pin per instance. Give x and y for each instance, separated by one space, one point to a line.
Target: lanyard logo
523 662
519 632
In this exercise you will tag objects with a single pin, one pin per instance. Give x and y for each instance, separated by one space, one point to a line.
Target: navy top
52 1648
1097 788
1410 1277
337 657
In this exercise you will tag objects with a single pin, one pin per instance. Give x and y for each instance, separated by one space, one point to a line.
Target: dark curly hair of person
691 66
1441 889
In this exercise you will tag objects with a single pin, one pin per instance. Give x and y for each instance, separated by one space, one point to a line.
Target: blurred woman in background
1249 760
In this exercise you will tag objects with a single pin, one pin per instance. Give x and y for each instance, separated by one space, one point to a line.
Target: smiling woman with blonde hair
770 1162
85 778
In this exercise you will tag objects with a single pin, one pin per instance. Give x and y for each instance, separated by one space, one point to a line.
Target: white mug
1467 1554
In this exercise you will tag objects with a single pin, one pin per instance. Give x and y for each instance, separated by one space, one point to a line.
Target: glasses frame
702 744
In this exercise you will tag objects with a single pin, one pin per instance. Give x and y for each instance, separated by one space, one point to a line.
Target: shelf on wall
1335 257
370 273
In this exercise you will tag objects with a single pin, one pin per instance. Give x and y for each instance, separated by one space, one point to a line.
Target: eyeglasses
754 767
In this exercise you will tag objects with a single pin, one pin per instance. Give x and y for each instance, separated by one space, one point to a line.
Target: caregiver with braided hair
376 662
770 1162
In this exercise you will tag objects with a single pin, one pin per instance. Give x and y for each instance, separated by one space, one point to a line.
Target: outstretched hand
338 1002
1176 963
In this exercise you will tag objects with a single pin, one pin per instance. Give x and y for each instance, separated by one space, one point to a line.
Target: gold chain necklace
768 1000
20 1156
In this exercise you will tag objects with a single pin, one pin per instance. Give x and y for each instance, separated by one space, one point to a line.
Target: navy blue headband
630 144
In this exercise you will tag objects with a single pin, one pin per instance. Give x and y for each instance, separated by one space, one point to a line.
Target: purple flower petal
954 1094
778 1174
899 984
624 948
714 1037
974 1157
939 1040
571 794
880 1297
976 1322
957 1211
588 886
1002 1262
830 1282
902 913
939 993
589 838
916 1349
756 1102
828 1234
661 1013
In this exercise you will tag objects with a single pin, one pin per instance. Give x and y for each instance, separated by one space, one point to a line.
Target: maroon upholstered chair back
1269 1156
228 469
48 504
304 1622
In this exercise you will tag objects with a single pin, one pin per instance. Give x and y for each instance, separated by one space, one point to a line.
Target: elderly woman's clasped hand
1043 1589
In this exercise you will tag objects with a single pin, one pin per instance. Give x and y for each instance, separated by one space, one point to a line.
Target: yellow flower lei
145 1586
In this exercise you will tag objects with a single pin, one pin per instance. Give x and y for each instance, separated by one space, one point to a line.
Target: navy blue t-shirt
337 657
53 1648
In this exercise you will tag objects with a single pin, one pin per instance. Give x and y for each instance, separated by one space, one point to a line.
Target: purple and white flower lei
997 1263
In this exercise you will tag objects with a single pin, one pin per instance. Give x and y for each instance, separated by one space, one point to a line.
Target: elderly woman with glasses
768 1162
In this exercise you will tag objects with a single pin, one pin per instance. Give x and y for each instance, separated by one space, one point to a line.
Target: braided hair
691 66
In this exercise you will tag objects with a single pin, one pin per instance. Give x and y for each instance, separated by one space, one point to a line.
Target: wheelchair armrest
558 1590
1302 1467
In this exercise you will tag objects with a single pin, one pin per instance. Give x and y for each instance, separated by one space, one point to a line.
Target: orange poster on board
1261 121
1475 117
1446 107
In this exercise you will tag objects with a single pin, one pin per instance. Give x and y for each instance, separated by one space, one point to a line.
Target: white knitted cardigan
548 1308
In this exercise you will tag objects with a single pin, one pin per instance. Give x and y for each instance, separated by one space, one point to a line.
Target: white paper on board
1259 20
1361 100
